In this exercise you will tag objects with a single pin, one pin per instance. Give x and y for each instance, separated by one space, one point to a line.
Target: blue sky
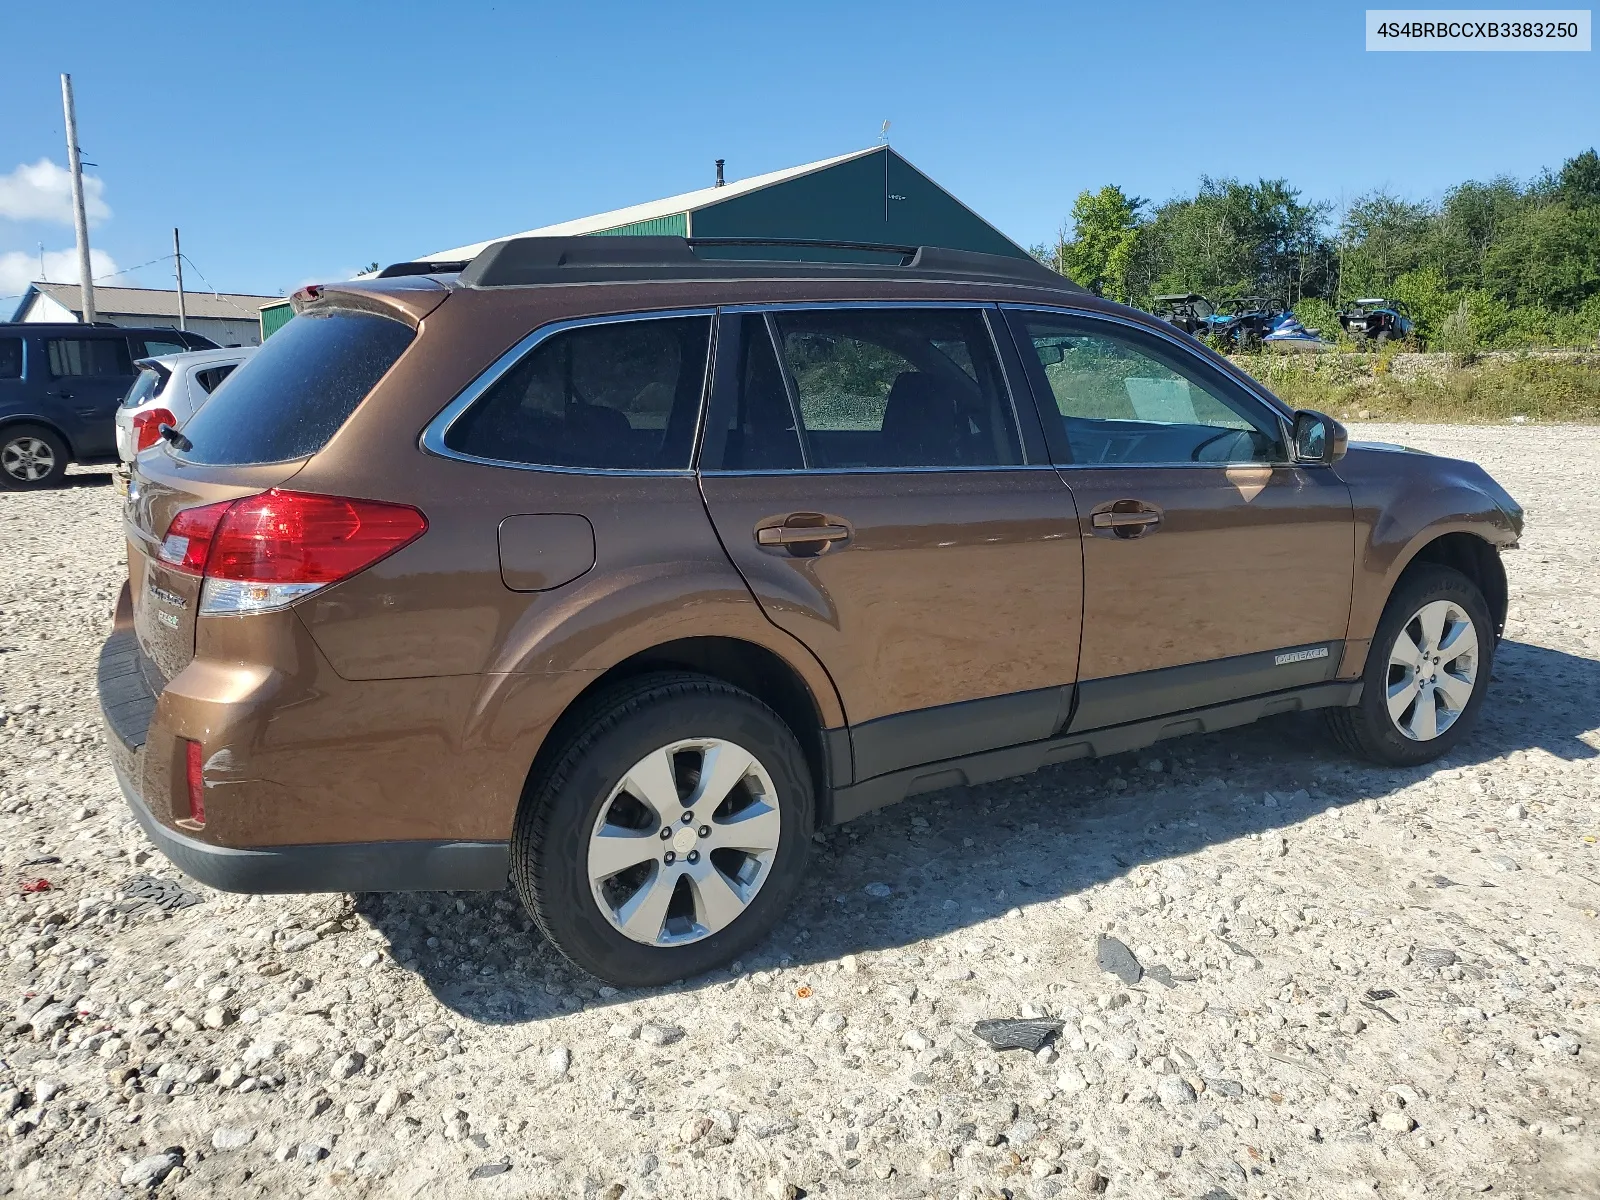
293 141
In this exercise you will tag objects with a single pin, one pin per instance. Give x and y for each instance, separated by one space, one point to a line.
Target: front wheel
669 832
1426 673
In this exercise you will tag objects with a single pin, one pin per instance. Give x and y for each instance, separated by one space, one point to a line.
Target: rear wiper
176 438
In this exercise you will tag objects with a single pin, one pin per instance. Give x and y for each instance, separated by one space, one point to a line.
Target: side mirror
1049 356
1318 438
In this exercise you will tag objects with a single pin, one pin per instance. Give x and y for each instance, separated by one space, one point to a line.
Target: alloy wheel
1433 670
685 841
28 459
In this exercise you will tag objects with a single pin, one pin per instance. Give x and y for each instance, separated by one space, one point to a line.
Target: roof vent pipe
720 181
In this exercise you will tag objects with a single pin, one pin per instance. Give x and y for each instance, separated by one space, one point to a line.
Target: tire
590 785
1382 339
31 456
1399 738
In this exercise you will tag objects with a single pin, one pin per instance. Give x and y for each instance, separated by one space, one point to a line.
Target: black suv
59 390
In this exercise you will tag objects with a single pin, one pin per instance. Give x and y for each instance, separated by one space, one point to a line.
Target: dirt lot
1357 981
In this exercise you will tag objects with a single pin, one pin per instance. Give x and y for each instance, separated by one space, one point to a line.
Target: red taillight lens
266 551
147 427
197 783
188 540
292 537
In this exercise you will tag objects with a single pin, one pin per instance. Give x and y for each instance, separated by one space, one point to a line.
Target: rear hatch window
148 383
288 400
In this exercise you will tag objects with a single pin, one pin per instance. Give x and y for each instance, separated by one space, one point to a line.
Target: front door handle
1119 520
791 535
1126 519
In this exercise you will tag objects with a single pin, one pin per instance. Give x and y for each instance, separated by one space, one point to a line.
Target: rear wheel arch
750 667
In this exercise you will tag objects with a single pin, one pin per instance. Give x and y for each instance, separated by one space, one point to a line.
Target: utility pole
177 263
75 164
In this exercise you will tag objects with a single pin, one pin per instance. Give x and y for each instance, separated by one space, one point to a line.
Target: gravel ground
1354 980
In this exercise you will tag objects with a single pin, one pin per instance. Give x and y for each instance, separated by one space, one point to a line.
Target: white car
169 390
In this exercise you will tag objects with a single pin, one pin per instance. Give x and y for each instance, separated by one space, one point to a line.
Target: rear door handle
791 535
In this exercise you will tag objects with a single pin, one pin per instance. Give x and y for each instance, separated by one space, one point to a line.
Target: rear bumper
128 704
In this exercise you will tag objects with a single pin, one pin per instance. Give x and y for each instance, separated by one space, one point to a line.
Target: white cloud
43 192
18 268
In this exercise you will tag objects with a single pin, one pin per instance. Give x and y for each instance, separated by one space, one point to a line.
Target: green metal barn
872 195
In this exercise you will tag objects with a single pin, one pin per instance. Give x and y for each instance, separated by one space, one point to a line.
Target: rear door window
89 358
616 395
10 358
881 388
155 348
298 390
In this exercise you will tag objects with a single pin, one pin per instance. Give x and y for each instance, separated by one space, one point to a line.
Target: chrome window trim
779 306
433 435
1274 405
887 470
986 309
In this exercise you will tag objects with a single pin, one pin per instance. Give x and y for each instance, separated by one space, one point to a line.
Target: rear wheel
669 832
31 456
1426 672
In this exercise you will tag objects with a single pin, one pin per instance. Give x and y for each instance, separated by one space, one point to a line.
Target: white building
228 320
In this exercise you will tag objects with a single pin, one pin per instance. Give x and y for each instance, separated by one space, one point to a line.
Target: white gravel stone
228 1137
1346 980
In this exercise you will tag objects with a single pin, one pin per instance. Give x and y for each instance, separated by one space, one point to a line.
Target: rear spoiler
150 364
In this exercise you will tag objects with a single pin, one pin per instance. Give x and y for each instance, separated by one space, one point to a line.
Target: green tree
1548 256
1579 181
1381 236
1235 239
1105 229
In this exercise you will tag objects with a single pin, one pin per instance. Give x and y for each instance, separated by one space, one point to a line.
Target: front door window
1123 396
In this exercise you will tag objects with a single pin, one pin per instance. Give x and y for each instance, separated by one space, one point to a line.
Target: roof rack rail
530 261
395 270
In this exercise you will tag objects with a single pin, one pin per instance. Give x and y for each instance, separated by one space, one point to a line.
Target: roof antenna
883 134
720 181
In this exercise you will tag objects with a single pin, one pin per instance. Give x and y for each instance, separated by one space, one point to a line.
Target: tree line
1502 264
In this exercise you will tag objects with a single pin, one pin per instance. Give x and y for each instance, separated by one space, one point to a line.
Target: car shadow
965 855
86 478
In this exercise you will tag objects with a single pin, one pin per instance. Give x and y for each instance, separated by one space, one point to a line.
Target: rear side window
297 392
155 348
89 358
10 358
210 377
620 395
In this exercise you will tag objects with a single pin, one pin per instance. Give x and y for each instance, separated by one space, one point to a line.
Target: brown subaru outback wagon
620 565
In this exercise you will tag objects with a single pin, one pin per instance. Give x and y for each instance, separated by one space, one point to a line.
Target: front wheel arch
1473 557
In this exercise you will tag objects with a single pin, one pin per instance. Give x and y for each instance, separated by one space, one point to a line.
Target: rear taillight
195 772
188 540
147 427
266 551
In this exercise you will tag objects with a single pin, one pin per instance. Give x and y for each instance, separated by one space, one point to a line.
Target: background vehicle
1288 334
1189 311
1375 320
623 569
60 386
1239 324
1243 322
168 390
